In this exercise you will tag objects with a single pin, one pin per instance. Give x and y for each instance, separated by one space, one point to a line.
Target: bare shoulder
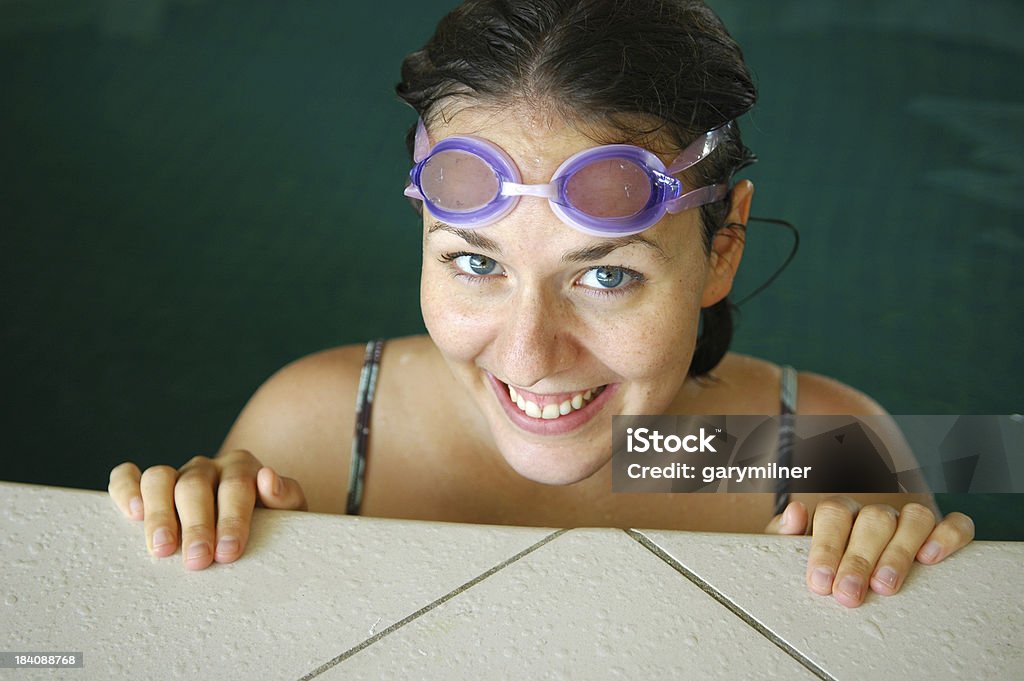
746 384
751 385
298 420
817 394
302 419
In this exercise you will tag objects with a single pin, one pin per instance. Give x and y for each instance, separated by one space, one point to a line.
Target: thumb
277 492
793 520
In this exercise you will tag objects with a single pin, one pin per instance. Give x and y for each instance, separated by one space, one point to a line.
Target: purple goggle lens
610 190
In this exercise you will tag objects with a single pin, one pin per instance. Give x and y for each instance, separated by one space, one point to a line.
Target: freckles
437 315
662 338
460 329
638 346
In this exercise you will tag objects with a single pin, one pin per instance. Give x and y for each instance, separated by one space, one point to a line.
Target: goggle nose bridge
548 190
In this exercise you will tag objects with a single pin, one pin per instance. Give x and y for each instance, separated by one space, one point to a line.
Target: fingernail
227 546
887 576
135 507
821 579
851 587
931 551
199 549
278 485
162 537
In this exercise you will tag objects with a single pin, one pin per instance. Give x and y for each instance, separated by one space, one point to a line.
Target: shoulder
303 378
300 421
299 392
746 384
303 389
817 394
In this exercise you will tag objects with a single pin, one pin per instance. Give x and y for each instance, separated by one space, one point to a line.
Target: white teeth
552 411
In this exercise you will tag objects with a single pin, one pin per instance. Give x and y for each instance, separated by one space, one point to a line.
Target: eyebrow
601 250
597 251
469 236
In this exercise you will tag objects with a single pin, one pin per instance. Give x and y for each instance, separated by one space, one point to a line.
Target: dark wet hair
641 67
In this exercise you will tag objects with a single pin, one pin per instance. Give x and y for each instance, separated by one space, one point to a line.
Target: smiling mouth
551 407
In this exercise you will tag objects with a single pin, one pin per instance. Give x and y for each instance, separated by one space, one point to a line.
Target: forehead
535 133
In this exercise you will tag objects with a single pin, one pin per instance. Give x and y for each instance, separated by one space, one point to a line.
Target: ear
727 245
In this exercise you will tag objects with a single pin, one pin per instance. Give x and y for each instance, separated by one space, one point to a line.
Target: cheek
459 329
659 337
656 338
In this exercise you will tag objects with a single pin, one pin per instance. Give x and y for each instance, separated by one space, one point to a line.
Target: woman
591 280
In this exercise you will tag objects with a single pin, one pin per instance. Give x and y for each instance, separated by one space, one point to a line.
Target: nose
536 339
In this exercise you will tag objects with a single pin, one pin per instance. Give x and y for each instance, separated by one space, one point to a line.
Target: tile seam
731 605
430 606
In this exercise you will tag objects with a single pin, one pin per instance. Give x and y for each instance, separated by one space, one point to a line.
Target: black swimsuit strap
786 417
360 440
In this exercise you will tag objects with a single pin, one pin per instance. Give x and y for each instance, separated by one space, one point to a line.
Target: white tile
962 618
76 577
591 604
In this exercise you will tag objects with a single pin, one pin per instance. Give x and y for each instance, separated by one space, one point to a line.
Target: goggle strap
413 192
421 146
698 197
698 149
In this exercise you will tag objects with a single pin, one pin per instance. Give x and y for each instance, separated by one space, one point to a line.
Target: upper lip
549 397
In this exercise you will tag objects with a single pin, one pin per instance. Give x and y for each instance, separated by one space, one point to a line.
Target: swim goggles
608 190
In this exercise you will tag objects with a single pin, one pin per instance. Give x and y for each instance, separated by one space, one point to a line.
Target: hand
162 495
853 547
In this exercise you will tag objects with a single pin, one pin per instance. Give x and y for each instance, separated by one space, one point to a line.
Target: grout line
430 606
706 587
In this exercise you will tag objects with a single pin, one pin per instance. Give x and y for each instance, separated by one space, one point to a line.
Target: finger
125 491
161 521
954 532
792 520
833 519
236 498
278 492
872 530
193 496
913 527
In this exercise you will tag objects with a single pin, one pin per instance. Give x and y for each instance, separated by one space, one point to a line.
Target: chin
550 465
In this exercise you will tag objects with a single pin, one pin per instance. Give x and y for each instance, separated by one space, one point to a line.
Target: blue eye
476 264
606 277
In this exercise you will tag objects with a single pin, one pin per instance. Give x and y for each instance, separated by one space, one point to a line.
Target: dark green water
194 193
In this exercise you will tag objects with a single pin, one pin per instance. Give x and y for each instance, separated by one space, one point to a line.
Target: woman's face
529 310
